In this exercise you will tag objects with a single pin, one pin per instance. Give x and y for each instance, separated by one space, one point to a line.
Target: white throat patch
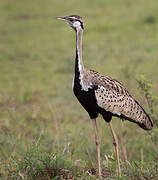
77 24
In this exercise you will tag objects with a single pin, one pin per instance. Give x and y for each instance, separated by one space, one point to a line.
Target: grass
44 133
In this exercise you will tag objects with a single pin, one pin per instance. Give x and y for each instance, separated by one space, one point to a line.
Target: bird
102 94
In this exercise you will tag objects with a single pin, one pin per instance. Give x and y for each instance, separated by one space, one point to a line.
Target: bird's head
73 21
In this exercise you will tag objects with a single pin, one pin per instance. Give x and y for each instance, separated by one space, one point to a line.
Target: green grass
39 115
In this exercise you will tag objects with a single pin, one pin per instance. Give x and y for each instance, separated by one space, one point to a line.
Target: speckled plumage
102 94
114 98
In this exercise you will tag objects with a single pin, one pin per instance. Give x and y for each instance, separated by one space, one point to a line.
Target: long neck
79 67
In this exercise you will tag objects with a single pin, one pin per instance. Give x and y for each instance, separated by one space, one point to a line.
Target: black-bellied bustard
102 94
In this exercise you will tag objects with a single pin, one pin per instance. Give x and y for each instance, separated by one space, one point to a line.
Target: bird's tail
145 122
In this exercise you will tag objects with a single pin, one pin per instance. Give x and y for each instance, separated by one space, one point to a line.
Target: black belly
88 100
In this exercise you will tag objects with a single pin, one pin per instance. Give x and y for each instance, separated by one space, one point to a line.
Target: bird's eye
71 20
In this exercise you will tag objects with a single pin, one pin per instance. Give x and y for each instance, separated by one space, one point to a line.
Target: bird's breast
82 83
87 99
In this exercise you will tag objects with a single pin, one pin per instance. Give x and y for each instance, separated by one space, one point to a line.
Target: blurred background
38 111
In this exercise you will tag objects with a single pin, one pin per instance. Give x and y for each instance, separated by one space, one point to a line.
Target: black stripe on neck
77 73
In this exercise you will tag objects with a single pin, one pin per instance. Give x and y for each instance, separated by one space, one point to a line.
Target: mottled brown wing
113 97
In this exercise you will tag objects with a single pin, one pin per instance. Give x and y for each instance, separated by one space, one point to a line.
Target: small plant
152 101
37 164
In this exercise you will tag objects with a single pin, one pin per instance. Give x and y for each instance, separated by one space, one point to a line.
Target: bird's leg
115 142
97 140
122 141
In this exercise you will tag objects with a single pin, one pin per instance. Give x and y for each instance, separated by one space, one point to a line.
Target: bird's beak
61 18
